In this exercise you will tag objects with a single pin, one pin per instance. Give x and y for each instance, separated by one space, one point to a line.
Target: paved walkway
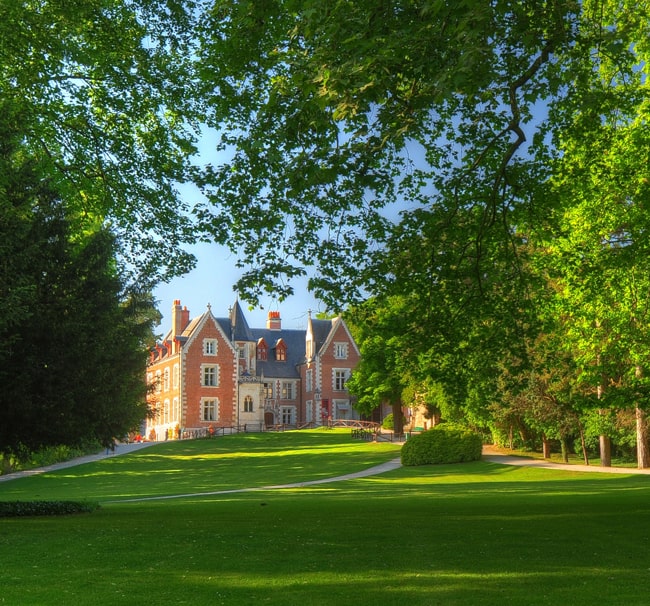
120 449
490 454
495 456
371 471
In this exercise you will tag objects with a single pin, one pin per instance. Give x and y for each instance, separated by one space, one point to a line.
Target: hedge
442 444
15 509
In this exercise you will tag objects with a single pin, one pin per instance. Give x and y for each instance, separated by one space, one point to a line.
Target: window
176 410
175 374
262 350
241 349
248 404
209 410
287 391
268 391
166 412
340 377
308 380
210 347
158 382
341 351
287 415
210 375
166 379
280 351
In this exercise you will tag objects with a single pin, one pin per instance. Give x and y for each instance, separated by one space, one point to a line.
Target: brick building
211 372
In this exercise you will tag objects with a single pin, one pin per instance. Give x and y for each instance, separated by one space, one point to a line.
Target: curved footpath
490 454
120 449
494 456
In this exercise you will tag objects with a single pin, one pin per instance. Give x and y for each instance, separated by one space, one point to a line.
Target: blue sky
211 282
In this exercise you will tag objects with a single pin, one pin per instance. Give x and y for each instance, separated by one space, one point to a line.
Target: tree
383 371
74 342
333 113
101 92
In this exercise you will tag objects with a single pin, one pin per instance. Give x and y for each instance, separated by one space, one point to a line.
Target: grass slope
475 533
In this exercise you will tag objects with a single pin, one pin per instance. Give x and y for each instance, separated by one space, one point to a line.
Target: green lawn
476 533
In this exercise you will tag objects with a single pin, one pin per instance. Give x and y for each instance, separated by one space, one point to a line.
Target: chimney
185 318
180 320
177 321
273 321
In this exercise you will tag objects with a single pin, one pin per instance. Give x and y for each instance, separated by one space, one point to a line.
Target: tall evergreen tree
74 343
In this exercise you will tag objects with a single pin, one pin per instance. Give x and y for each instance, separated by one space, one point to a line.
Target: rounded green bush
442 445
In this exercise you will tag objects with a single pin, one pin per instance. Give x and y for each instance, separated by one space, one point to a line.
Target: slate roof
321 330
295 342
239 326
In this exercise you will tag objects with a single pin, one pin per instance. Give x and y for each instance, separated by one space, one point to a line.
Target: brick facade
212 372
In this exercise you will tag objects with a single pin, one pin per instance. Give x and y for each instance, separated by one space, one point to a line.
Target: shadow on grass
476 533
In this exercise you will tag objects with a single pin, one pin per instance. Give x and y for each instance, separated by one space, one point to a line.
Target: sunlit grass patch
475 533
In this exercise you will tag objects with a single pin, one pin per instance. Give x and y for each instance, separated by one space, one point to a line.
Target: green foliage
74 344
388 422
57 454
102 91
442 444
16 509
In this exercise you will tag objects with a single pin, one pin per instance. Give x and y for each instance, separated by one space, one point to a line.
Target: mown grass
474 533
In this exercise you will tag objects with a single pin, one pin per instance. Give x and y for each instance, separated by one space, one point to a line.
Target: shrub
442 444
389 423
15 509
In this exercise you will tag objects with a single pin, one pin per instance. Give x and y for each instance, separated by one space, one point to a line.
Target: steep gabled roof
294 341
239 325
321 330
197 323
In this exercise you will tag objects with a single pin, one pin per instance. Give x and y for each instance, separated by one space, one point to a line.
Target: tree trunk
398 420
642 452
583 444
546 447
605 451
565 449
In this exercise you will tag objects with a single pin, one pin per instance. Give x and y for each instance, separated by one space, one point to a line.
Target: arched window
248 404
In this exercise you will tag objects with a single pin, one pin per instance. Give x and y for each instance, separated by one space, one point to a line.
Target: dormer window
262 350
280 351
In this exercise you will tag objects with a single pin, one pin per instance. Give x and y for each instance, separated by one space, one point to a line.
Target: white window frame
288 390
210 347
210 375
341 351
339 378
288 415
268 390
209 410
175 376
166 379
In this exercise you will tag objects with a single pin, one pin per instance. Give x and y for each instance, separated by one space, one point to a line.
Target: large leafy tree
100 90
333 113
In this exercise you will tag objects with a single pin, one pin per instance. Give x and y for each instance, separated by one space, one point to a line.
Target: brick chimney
273 321
180 320
177 327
